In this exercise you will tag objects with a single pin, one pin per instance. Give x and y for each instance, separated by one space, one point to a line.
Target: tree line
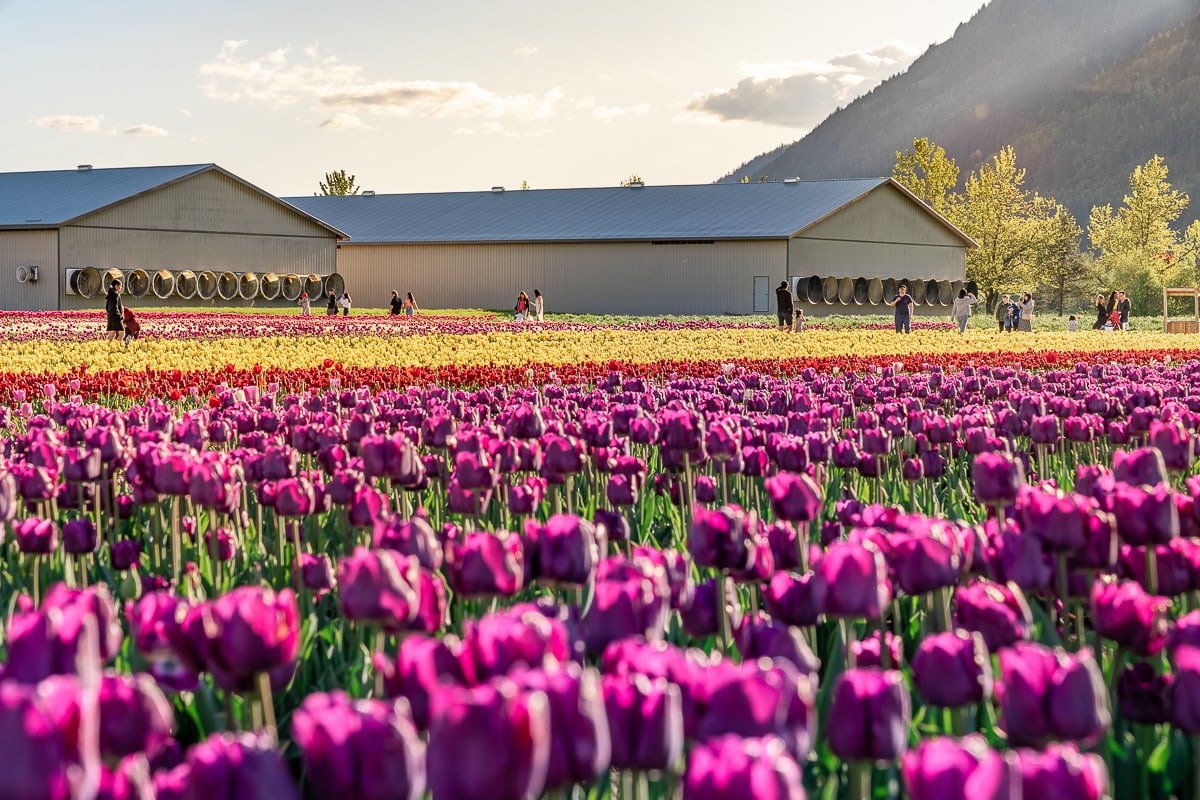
1028 242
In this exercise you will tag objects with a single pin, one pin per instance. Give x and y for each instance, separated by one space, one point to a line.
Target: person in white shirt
960 310
538 304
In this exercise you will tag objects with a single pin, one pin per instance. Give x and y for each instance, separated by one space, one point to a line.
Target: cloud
345 122
279 78
71 122
185 112
146 130
527 51
798 94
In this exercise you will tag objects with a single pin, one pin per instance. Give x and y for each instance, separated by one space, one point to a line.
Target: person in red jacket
132 326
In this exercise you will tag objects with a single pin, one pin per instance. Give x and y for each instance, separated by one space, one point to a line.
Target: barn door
762 294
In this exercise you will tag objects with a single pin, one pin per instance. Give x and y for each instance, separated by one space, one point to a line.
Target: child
1072 324
799 317
305 305
132 326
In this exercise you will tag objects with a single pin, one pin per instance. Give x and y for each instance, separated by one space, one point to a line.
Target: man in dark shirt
783 304
331 309
1123 305
903 305
396 302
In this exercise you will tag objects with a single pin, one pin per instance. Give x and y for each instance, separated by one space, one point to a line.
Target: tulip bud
953 669
645 721
1125 613
733 768
856 577
945 769
869 716
229 766
996 477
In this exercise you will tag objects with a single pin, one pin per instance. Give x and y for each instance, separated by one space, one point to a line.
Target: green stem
859 780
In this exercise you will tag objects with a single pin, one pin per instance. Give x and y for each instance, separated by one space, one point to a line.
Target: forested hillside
1085 90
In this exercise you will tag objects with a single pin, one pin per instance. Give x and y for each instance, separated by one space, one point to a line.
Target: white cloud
71 122
185 112
527 51
146 130
345 122
798 94
278 79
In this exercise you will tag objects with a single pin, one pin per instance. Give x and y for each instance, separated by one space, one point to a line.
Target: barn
192 235
694 249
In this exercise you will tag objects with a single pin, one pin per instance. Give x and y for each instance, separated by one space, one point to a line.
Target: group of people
1015 313
121 321
524 313
406 306
344 303
1112 314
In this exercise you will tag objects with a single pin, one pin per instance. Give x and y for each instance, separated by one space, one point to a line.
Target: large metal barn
178 236
703 249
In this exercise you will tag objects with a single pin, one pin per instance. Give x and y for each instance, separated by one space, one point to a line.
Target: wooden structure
1182 325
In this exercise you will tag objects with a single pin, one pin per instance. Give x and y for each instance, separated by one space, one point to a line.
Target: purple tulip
486 564
316 573
1018 558
1183 696
856 577
721 539
475 471
869 652
433 609
1174 442
952 669
580 746
526 497
634 606
134 715
46 641
1141 467
124 554
764 638
869 715
409 537
36 766
489 741
368 507
79 536
700 617
997 478
568 550
1043 430
422 668
229 766
379 587
1125 613
294 497
645 721
925 559
391 457
733 768
612 526
794 497
359 749
1145 514
36 536
760 699
796 600
945 769
1142 694
1061 771
245 632
1048 694
497 643
996 611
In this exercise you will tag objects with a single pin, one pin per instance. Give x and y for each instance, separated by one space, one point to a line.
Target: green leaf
1160 757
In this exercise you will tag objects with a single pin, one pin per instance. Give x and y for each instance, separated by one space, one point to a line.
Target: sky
448 95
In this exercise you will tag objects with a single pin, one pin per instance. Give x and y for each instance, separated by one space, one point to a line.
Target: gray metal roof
709 211
54 198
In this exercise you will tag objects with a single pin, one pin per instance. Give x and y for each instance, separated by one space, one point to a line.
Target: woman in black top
396 303
1101 316
114 311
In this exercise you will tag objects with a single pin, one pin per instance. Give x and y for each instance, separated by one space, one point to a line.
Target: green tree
1065 276
928 173
338 183
1140 230
1006 220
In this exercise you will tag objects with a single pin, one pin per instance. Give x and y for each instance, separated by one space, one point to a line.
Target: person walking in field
783 306
345 303
522 307
395 303
960 309
410 305
902 302
332 307
1123 308
132 326
305 305
114 312
539 304
1101 313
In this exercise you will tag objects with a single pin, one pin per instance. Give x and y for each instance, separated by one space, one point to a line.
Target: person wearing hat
115 312
305 306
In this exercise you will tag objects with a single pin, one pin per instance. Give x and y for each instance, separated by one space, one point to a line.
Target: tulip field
256 557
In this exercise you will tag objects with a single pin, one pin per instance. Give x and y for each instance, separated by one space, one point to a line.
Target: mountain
1084 89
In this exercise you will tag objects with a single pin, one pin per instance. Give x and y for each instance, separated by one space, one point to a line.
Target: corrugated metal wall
587 278
208 222
22 249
